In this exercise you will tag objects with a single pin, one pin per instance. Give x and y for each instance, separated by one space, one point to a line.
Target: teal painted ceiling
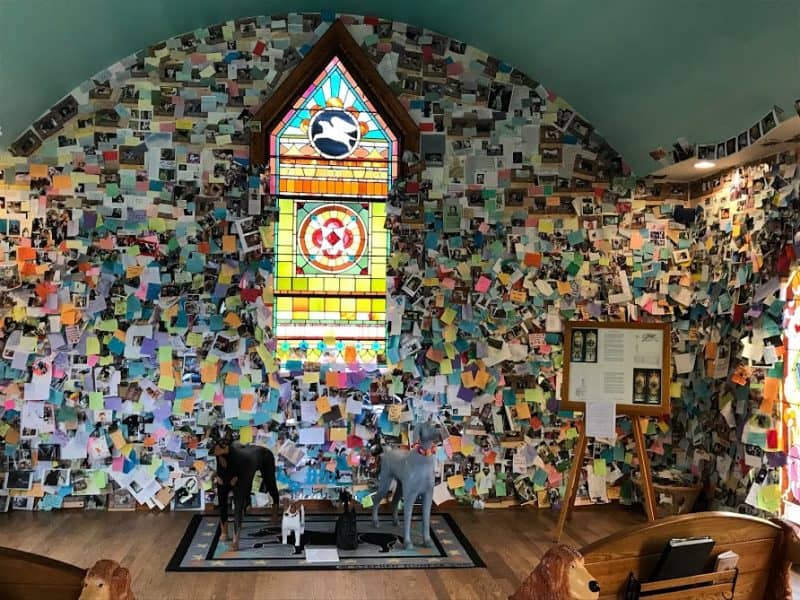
644 72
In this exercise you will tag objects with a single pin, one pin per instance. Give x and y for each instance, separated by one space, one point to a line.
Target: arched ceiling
644 72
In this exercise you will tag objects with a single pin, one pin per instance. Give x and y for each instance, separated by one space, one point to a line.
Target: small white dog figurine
294 520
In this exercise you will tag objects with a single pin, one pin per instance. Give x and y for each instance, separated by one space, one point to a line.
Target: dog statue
294 521
106 580
560 575
236 466
414 472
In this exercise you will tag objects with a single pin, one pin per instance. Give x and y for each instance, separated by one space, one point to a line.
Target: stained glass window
332 162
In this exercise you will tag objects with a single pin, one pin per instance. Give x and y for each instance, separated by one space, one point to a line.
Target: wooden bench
766 551
26 576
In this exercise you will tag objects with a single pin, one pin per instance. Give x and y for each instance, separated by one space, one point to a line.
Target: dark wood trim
337 41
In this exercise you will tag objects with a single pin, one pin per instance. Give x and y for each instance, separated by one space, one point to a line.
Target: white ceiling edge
785 136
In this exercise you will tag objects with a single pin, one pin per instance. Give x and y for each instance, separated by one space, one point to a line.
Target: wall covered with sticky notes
137 246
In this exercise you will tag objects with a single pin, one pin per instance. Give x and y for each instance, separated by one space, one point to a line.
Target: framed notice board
626 364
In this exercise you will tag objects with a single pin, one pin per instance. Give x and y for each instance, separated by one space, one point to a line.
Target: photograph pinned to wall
500 97
55 479
22 502
452 216
121 500
188 494
96 502
432 149
20 480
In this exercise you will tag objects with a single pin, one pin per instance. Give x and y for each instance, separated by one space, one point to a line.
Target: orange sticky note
38 171
523 410
232 320
228 243
25 253
455 443
187 405
199 466
69 314
467 379
323 405
231 378
62 181
771 389
118 439
248 402
208 372
481 379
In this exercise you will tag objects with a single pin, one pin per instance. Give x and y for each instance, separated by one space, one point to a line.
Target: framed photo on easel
625 369
625 364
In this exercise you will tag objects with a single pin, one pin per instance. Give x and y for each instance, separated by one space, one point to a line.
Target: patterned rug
260 547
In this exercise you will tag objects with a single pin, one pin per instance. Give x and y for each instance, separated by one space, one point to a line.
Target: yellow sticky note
448 315
455 481
167 383
246 434
338 434
523 410
395 410
92 345
675 389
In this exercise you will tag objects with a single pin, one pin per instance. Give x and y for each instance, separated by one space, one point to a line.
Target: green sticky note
366 501
100 479
600 467
165 354
769 498
571 433
92 346
167 383
534 395
207 394
109 325
96 401
500 488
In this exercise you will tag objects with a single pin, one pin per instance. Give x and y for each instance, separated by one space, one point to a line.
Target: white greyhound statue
414 472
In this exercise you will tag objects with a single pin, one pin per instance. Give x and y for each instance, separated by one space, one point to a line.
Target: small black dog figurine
236 467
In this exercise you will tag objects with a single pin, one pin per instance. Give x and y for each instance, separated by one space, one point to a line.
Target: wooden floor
509 541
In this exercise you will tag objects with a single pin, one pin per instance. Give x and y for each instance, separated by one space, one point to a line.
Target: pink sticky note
92 360
455 68
116 464
483 284
9 404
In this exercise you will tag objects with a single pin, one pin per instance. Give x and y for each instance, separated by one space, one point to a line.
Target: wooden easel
633 410
577 465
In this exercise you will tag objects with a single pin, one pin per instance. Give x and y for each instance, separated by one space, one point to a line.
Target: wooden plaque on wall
627 364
